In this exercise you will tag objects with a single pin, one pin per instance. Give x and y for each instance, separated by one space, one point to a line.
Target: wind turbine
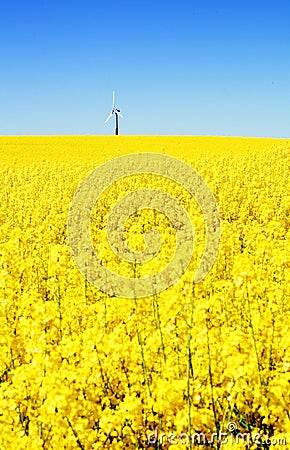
117 114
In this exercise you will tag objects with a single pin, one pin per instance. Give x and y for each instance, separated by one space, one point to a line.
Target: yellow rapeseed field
80 369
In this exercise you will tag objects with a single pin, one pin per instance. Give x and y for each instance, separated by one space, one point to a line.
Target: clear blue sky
178 67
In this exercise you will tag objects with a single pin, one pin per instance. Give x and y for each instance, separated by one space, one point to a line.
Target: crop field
197 365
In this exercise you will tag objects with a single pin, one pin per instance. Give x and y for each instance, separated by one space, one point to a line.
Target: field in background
80 369
23 150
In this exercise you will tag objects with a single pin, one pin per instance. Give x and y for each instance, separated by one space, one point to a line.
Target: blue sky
178 67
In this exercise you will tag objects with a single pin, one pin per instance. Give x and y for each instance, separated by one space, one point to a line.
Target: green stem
189 371
160 328
59 307
211 387
145 374
254 341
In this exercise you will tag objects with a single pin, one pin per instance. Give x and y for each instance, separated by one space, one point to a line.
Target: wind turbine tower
117 114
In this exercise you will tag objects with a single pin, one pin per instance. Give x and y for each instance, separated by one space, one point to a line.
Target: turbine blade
113 99
108 118
120 115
